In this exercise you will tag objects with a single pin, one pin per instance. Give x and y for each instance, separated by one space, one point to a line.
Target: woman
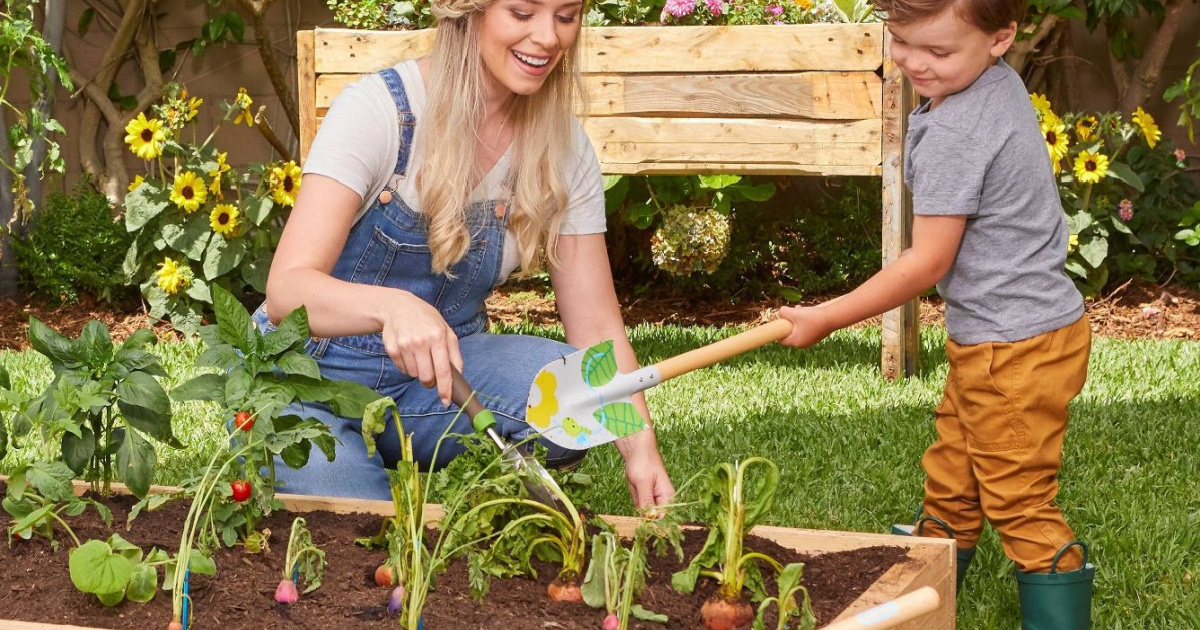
427 185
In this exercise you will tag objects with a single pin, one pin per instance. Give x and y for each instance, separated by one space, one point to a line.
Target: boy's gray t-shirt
981 153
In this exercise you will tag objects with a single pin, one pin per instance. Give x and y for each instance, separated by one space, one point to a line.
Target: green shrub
75 248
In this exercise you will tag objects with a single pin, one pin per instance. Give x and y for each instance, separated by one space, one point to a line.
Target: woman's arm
587 303
415 335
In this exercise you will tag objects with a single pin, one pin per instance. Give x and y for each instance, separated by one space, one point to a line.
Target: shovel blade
582 400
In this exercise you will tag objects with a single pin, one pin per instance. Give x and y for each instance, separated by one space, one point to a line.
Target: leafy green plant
74 249
116 570
1187 90
104 405
731 507
382 14
616 575
789 587
39 495
259 376
302 560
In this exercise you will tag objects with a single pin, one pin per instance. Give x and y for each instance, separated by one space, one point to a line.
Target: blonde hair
542 143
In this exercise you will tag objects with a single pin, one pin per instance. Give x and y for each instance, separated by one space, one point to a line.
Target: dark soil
35 584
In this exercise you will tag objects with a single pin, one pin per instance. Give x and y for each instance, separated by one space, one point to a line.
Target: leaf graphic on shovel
599 364
620 418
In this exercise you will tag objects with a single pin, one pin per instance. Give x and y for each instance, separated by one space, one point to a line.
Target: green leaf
142 205
374 420
593 587
645 615
136 459
640 215
60 350
298 363
758 494
97 570
78 451
223 256
3 439
143 584
191 237
599 365
94 343
1094 251
760 193
85 20
128 550
292 332
717 182
146 407
203 387
351 400
1079 221
52 480
198 289
620 418
1121 171
233 322
255 271
257 209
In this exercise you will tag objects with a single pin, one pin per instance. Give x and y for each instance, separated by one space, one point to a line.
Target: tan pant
1000 434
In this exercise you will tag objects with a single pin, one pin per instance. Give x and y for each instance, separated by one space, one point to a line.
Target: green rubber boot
963 555
1057 601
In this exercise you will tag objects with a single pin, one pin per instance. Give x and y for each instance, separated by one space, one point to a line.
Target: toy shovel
537 479
581 400
904 608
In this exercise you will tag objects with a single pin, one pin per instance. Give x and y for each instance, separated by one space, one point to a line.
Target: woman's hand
420 342
649 484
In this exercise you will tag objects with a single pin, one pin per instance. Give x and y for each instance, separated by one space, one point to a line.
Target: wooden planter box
930 561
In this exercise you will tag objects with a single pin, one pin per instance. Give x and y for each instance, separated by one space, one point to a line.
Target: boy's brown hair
988 16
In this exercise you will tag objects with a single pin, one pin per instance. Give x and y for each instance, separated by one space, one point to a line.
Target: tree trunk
266 51
52 32
1145 77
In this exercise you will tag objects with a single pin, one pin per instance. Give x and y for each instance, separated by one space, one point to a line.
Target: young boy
989 231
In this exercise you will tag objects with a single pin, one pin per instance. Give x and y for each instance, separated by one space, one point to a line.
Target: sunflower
188 192
172 277
1055 133
216 174
224 219
193 106
242 103
145 137
1084 127
1072 243
1041 105
1090 167
285 183
1145 122
137 181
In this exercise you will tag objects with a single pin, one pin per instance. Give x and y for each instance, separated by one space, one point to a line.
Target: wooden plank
901 326
621 140
712 168
306 85
931 560
816 95
648 49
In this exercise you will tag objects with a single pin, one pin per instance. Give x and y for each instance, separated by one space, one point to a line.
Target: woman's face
522 40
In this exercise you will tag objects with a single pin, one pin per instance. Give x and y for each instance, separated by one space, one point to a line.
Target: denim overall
389 247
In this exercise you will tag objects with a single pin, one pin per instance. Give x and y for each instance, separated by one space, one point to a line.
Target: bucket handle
1082 545
933 519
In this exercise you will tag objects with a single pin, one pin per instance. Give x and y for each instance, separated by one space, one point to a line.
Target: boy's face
944 54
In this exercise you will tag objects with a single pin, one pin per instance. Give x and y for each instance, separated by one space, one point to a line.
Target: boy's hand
809 325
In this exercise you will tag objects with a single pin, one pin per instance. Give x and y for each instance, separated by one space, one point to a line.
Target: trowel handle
724 349
463 395
904 608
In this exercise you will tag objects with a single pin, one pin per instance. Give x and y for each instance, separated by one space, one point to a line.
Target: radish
723 614
610 622
286 593
567 590
384 576
396 600
175 625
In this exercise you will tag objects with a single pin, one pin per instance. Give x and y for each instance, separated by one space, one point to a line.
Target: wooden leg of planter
901 334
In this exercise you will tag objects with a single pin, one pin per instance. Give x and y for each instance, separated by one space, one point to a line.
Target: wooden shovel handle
723 349
904 608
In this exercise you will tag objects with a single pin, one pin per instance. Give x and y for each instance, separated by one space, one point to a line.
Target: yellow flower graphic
172 277
137 181
188 192
1146 124
1072 243
242 103
1041 105
145 137
1090 167
224 219
1056 138
1085 127
285 183
539 415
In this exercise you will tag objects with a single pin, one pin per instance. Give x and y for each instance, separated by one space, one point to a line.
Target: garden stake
538 482
581 400
187 578
904 608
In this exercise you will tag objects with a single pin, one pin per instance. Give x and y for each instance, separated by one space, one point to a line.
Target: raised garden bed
845 573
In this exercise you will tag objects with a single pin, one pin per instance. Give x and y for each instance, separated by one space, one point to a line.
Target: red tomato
243 420
241 490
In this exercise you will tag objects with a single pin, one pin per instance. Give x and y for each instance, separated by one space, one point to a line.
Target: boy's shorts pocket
986 377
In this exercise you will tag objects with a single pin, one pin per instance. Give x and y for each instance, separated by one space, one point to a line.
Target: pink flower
715 7
774 9
1180 155
1126 210
679 8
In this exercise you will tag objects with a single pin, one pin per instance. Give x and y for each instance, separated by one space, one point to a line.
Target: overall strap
404 117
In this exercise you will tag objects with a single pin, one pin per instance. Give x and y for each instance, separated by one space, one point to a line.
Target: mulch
1132 311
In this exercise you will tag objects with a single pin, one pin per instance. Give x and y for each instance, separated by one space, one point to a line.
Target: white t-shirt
359 140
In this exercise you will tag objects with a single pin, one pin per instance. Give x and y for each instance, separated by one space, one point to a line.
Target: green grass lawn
849 446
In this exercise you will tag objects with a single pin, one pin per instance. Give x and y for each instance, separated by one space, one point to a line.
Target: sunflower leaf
223 256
